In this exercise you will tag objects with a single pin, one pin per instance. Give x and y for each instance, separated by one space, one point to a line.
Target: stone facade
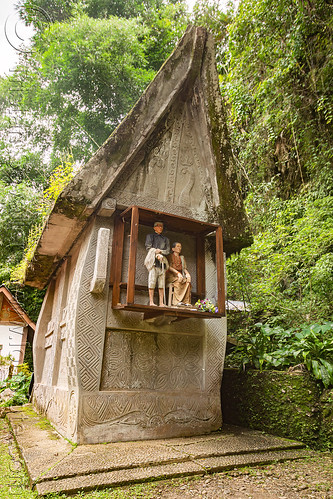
103 374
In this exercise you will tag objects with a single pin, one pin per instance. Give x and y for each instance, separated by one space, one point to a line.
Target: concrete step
54 465
129 476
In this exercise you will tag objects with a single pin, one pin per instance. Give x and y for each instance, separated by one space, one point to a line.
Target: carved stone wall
175 172
152 361
72 338
91 318
117 416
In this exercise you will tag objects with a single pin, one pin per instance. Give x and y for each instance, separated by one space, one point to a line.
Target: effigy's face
177 248
158 229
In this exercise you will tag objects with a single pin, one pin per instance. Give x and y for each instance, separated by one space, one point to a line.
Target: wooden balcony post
220 271
117 259
201 270
132 255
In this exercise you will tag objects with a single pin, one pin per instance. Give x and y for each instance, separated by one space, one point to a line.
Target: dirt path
309 478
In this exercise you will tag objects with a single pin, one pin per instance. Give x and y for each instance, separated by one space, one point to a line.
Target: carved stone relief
71 310
216 338
172 176
192 184
52 402
39 350
62 380
143 361
173 159
157 162
91 318
72 424
128 415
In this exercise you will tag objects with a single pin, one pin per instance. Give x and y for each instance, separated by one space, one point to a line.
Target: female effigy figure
179 276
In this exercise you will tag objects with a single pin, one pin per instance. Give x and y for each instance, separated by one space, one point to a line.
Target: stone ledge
165 471
54 465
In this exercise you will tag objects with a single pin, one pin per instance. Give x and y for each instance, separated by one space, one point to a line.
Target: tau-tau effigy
111 364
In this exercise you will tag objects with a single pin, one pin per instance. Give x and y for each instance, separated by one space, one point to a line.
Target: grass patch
14 482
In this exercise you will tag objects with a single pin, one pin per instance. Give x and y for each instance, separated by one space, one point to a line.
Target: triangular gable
11 311
176 172
172 150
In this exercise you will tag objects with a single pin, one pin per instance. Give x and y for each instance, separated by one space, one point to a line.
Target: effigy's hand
159 257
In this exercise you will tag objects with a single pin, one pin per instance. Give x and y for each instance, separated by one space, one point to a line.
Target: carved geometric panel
216 333
62 380
91 317
152 361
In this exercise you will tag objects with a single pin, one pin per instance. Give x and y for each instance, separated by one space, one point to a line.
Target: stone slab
40 445
163 472
120 477
54 465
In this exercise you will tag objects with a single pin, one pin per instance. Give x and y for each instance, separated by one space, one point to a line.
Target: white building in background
16 328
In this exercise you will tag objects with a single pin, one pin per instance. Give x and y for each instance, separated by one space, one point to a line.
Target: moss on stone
44 424
281 403
70 208
28 410
326 430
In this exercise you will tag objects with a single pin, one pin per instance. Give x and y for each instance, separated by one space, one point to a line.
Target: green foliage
6 360
82 77
211 15
279 87
24 369
28 356
19 383
59 179
41 12
286 275
165 27
28 168
265 347
17 214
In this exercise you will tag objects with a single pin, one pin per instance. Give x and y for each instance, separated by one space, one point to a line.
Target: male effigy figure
179 276
158 246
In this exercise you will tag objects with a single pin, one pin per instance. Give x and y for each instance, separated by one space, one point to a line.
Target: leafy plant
6 360
19 383
286 274
267 347
60 177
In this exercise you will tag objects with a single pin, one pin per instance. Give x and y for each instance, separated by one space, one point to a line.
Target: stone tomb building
108 367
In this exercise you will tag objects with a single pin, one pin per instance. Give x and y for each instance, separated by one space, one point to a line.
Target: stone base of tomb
151 385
